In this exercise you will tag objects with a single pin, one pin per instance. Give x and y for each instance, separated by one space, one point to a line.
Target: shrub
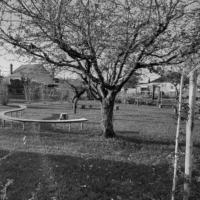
4 96
129 100
118 100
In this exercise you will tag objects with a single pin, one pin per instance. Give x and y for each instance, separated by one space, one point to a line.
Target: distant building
158 85
36 72
165 86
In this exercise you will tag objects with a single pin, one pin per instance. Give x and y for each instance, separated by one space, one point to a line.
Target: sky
5 64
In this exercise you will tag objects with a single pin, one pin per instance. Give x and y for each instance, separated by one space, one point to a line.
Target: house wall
131 91
166 88
128 91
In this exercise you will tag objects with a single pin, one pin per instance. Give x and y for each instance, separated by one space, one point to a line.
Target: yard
82 165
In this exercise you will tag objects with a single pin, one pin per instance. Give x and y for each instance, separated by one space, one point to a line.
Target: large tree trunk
107 106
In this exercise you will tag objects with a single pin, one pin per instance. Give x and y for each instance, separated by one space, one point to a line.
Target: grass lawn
82 165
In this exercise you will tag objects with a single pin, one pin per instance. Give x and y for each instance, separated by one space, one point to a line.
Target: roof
74 82
36 72
161 79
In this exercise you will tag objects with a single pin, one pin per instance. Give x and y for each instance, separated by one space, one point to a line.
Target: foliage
133 81
30 88
26 82
130 100
15 86
4 95
118 100
34 91
64 91
184 112
77 88
4 188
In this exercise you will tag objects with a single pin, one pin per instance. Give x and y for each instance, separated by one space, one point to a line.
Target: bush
129 100
118 100
4 96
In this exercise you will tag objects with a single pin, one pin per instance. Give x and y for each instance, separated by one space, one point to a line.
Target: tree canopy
133 81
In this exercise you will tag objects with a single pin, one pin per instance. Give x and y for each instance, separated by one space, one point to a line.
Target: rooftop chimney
11 68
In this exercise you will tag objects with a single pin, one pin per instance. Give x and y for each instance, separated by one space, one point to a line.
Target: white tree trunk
177 139
189 134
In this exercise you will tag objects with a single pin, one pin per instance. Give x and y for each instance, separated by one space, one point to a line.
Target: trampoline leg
38 127
23 126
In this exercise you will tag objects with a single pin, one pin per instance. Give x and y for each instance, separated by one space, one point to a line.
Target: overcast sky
5 64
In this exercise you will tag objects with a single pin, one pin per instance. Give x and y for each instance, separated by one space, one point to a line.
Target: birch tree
177 139
189 134
106 42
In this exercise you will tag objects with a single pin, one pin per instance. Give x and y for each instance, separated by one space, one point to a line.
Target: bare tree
4 95
78 91
26 82
106 43
177 139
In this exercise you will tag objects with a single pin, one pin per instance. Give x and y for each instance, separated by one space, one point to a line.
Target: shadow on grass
66 177
147 120
149 141
90 108
47 107
142 140
127 132
89 122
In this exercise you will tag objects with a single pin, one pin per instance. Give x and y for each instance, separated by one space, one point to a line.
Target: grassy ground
81 164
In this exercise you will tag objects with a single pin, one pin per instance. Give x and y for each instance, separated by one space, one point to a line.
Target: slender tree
177 139
26 82
78 91
105 42
189 134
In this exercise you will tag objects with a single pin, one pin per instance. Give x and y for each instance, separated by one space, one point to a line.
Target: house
161 84
128 91
36 72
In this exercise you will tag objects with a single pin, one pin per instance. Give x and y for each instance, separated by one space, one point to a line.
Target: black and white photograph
99 99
